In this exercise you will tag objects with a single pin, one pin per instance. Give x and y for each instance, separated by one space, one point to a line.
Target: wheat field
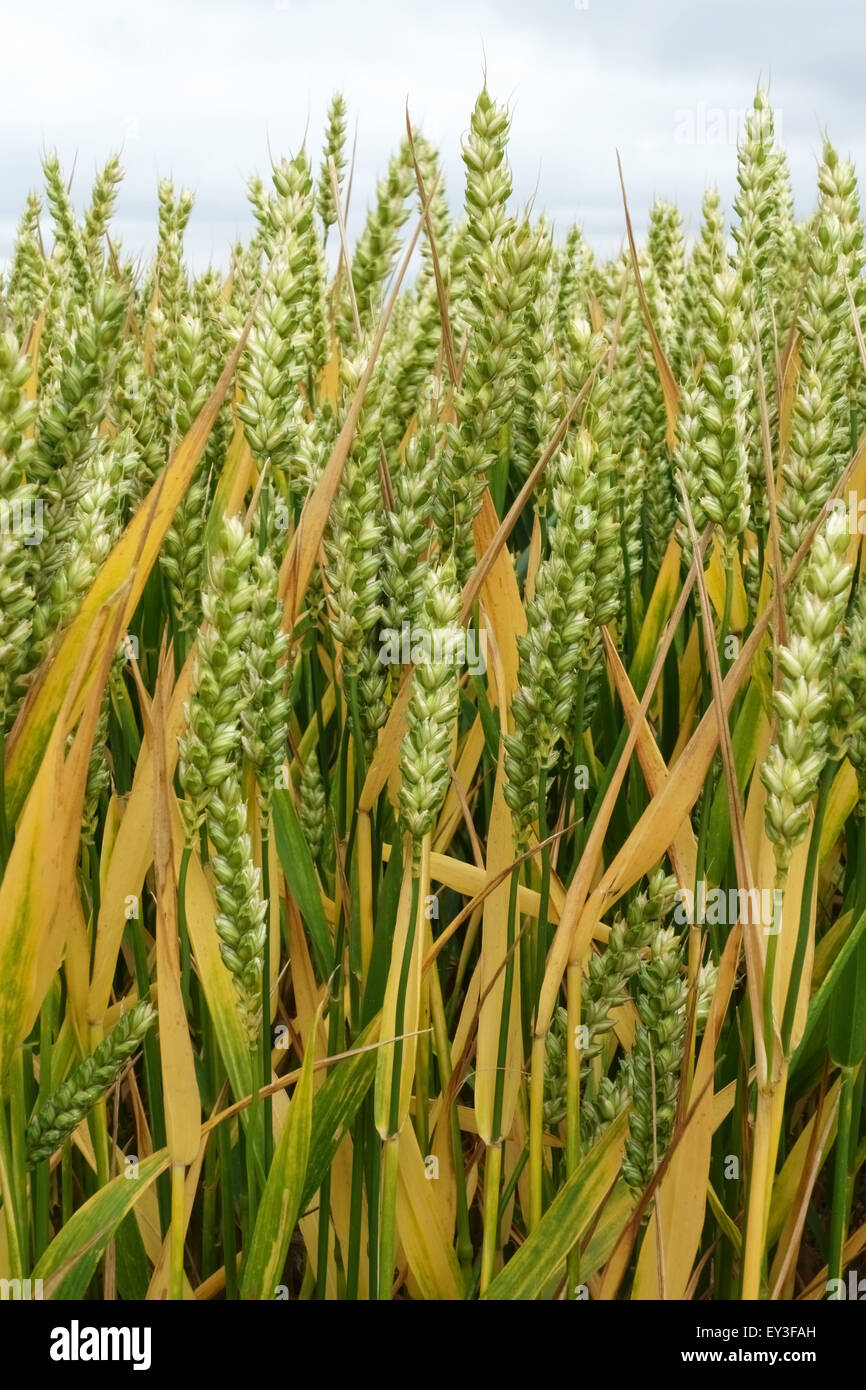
433 776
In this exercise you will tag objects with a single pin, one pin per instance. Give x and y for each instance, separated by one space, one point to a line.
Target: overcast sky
202 89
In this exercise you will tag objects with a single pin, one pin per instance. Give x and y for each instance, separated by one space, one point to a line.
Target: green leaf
745 738
383 935
336 1106
281 1199
297 865
847 1031
829 984
70 1261
527 1274
132 1265
661 605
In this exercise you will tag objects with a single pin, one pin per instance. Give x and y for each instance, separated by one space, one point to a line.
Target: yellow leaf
28 894
133 850
683 848
401 1009
682 1193
125 570
424 1226
40 871
499 592
840 804
179 1086
494 957
715 578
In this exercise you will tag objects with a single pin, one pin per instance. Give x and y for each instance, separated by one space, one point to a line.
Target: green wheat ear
210 744
652 1070
605 988
803 699
16 591
432 714
57 1117
557 639
27 280
334 148
266 709
240 921
708 258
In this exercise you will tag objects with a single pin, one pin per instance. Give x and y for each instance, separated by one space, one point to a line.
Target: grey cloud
201 90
